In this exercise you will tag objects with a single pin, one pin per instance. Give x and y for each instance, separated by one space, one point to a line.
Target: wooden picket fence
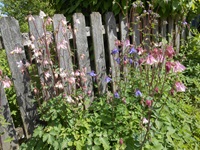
100 33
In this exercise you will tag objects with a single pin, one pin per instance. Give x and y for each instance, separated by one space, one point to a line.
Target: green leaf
97 141
105 143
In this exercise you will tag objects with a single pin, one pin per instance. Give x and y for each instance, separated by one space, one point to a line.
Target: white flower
20 64
17 50
42 14
144 121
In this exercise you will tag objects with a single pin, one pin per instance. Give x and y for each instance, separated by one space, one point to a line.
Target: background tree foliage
21 8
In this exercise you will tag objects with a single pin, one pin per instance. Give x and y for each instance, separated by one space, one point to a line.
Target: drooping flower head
108 79
116 95
115 51
150 60
138 93
178 67
92 74
180 87
170 51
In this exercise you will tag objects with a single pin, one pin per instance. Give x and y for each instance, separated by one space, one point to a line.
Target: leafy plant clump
146 108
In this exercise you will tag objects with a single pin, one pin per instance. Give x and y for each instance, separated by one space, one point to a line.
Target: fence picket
12 39
63 52
112 37
37 30
8 130
83 50
171 31
99 54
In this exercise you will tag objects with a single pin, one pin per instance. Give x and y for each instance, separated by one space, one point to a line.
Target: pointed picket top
82 50
63 49
37 30
112 37
12 39
8 130
99 53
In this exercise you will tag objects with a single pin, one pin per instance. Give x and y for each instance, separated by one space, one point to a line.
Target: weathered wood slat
112 37
124 36
171 30
164 28
146 36
177 36
99 53
136 32
12 39
64 51
83 50
37 30
8 130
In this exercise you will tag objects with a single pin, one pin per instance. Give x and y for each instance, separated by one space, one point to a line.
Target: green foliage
191 54
20 9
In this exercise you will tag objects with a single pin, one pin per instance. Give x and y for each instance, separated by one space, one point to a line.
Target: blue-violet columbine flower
115 51
132 50
138 93
116 95
92 74
118 60
108 79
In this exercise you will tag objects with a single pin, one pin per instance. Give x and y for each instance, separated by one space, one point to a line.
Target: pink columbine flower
168 66
71 80
151 60
178 67
180 87
6 82
59 85
144 121
17 50
170 51
20 64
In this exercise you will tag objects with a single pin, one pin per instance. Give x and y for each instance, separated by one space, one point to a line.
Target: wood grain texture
63 53
12 38
8 130
82 50
37 29
99 53
112 37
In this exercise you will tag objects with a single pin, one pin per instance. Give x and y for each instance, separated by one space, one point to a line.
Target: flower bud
121 141
149 103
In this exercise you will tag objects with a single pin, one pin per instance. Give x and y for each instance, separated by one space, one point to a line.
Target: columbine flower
180 87
42 14
168 66
108 79
127 42
132 50
151 60
115 51
117 60
71 80
149 103
138 93
144 121
59 85
178 67
170 51
17 50
92 74
116 95
20 64
6 82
